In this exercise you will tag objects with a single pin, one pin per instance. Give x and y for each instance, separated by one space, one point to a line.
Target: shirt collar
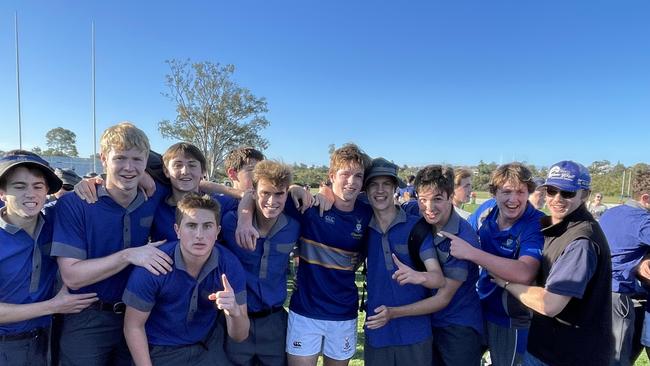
211 264
13 229
635 204
139 198
399 218
452 226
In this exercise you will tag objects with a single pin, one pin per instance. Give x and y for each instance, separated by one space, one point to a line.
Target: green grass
642 360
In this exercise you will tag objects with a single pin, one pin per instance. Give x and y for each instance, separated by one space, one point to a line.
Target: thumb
380 309
212 297
397 262
158 243
226 284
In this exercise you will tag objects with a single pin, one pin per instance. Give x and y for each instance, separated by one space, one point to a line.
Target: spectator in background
627 228
407 193
596 207
537 198
462 191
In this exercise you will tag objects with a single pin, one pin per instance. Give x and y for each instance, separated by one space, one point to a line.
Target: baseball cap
569 176
22 157
382 167
68 176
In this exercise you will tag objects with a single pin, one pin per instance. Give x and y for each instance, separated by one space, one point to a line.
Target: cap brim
54 183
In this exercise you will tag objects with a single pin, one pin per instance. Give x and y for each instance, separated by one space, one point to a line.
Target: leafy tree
61 142
213 112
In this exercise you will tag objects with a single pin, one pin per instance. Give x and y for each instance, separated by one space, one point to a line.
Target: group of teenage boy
170 270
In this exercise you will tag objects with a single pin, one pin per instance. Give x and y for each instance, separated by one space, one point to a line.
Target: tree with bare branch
213 111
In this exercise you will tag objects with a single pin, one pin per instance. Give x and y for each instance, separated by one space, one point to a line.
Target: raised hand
459 248
225 299
86 189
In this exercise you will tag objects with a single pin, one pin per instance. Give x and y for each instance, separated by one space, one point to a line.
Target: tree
61 142
213 112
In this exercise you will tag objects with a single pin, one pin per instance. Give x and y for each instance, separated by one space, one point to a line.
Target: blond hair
124 136
274 172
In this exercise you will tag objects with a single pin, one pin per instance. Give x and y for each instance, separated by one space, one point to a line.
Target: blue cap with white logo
569 176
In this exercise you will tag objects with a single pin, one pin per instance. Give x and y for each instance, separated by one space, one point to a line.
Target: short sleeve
572 271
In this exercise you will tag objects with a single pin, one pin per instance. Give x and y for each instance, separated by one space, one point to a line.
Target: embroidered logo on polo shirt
357 234
297 344
329 219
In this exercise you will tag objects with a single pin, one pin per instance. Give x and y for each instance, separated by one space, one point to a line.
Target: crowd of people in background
150 263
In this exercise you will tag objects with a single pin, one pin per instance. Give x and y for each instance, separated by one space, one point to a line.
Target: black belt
116 308
263 313
34 333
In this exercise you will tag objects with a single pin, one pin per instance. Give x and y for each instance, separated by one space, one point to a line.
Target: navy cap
569 176
539 182
382 167
22 157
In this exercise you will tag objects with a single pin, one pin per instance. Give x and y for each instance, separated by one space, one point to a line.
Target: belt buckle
119 307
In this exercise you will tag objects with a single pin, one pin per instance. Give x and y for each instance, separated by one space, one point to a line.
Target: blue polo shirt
464 309
266 266
27 272
383 290
627 228
330 249
411 208
523 238
85 231
180 311
165 217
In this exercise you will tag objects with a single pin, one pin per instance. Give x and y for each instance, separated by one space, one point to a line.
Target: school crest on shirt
358 230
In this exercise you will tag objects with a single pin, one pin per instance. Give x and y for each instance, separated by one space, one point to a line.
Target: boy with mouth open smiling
169 318
323 310
265 266
97 244
392 338
572 323
511 248
27 272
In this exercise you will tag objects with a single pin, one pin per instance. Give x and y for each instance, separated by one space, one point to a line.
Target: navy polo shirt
180 311
464 309
383 290
627 228
523 238
330 250
27 272
165 218
85 231
266 266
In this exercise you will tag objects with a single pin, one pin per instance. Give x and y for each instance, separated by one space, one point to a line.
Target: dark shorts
94 337
456 345
265 344
418 354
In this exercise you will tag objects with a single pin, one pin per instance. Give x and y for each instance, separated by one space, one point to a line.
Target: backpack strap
419 231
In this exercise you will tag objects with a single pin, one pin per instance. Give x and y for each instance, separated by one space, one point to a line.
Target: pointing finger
226 284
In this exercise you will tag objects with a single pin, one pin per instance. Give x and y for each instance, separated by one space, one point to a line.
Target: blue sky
414 81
